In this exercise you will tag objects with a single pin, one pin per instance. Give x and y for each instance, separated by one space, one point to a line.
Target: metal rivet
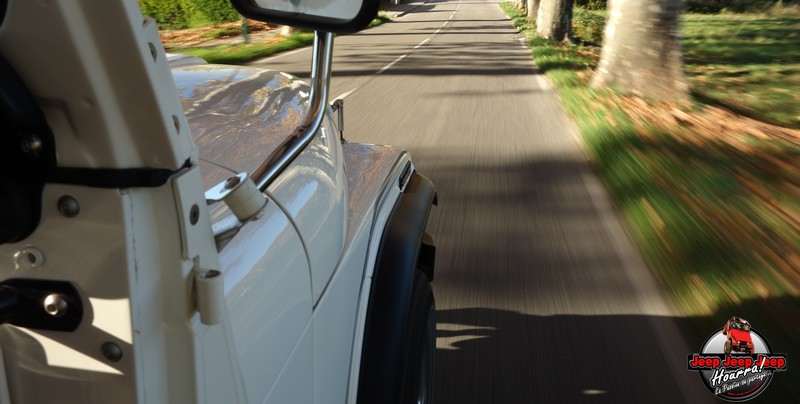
111 351
232 182
194 214
55 305
28 258
68 206
31 144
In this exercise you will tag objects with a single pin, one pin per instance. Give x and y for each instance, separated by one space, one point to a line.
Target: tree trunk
554 19
519 4
641 53
245 30
533 8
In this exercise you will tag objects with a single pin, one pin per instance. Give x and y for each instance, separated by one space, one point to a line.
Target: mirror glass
337 16
335 9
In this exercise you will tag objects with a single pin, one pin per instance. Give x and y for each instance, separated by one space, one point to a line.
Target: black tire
419 364
727 348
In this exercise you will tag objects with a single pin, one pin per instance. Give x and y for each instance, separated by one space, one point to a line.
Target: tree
533 8
519 4
554 19
641 53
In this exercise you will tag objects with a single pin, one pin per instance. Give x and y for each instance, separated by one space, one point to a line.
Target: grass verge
712 198
746 63
242 53
237 54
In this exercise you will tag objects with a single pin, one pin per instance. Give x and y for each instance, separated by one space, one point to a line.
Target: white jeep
221 243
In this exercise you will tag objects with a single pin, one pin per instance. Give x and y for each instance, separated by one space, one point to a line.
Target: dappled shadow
449 59
523 227
423 31
500 356
535 305
460 20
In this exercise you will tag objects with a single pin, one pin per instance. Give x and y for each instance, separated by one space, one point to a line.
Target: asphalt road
540 295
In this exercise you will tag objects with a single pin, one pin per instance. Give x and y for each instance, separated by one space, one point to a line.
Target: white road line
389 66
345 94
394 62
542 81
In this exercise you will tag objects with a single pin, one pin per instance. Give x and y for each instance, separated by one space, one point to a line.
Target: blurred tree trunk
245 30
533 8
641 53
520 4
554 19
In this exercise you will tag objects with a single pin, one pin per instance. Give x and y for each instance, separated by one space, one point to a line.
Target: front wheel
727 347
420 357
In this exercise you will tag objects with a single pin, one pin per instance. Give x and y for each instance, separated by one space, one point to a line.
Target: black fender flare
404 247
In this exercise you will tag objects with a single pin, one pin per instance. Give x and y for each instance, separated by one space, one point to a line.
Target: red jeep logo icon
737 330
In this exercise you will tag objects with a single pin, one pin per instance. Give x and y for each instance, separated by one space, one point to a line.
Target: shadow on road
498 356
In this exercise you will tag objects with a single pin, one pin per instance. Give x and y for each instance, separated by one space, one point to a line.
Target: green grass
238 54
746 63
711 240
380 19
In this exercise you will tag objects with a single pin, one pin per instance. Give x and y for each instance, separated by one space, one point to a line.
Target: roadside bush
216 11
179 14
588 25
172 14
592 4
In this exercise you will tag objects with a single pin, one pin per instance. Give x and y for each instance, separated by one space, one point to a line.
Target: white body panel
313 191
267 291
296 280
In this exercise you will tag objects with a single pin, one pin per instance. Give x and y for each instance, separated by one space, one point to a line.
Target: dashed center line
394 62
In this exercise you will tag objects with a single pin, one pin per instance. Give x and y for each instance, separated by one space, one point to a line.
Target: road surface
540 295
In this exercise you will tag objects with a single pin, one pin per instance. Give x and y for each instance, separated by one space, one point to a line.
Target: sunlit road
540 295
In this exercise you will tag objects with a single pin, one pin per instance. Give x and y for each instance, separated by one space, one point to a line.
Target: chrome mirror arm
276 162
287 151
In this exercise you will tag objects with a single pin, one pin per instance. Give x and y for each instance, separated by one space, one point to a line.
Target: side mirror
335 16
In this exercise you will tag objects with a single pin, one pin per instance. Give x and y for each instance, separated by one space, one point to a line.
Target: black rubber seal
113 177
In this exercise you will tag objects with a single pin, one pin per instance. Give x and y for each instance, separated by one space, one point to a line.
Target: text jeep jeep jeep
220 243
